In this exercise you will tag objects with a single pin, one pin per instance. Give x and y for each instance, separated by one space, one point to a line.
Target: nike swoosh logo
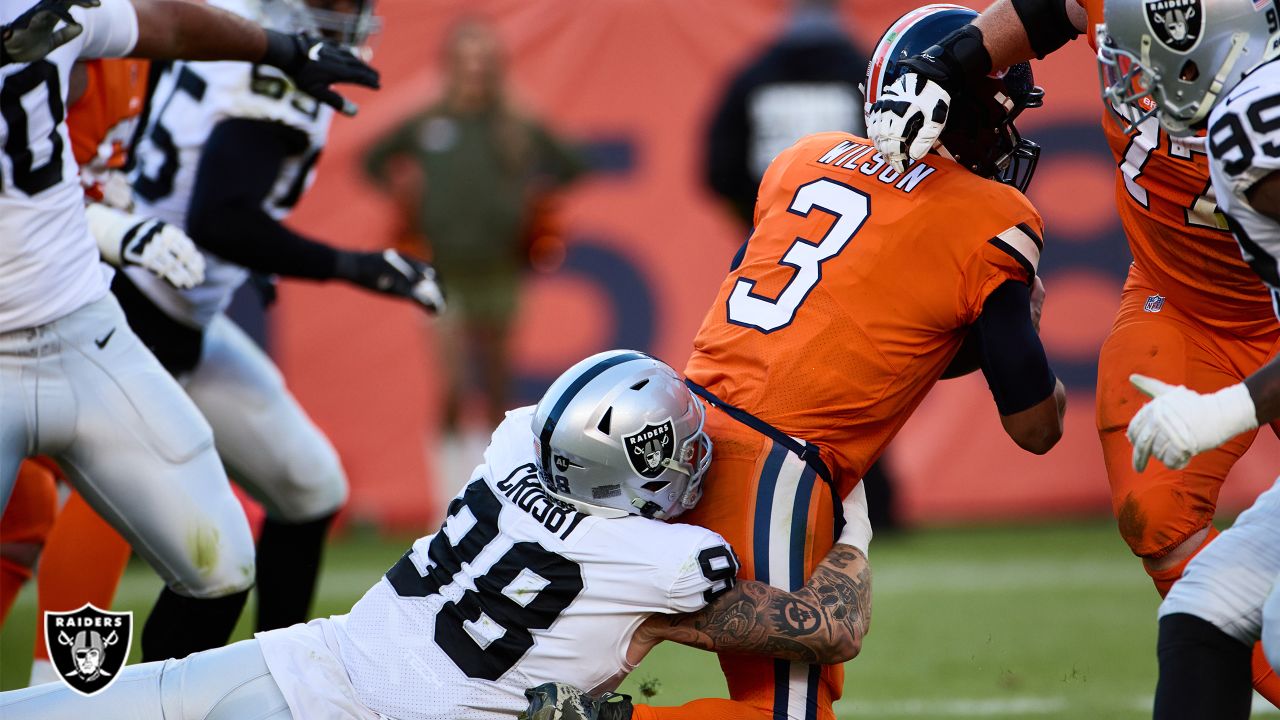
105 339
314 52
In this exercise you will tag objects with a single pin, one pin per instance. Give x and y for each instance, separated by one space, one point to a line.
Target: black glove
31 35
955 62
314 64
391 273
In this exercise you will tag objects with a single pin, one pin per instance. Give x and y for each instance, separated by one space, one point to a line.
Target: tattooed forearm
823 622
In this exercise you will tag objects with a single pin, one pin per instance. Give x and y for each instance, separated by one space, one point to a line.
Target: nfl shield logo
1154 304
88 646
1176 23
651 448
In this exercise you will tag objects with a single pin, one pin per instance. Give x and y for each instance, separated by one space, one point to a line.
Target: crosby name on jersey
513 591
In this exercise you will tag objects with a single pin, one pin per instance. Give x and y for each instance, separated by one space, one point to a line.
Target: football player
1227 82
227 151
558 539
75 382
1191 313
853 296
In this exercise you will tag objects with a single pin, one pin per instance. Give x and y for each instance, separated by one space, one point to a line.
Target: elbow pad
1047 23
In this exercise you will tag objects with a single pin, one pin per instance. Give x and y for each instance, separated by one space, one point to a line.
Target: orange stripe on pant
778 516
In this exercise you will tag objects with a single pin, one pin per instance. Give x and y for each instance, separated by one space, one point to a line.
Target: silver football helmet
347 22
1178 57
620 434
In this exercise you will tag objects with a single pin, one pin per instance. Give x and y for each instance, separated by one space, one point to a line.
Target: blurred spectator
473 179
805 82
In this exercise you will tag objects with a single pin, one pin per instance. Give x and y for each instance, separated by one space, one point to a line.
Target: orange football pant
25 525
83 561
778 516
1157 510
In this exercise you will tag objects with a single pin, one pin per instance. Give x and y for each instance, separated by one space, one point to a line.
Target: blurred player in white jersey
1211 64
227 151
75 382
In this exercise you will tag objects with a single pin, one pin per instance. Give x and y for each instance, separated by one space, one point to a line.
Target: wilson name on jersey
516 590
856 290
1244 148
189 101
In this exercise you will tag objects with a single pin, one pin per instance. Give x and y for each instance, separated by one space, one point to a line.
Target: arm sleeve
239 166
1012 356
110 30
710 570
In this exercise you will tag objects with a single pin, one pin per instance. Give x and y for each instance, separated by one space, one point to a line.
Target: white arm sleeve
708 571
110 30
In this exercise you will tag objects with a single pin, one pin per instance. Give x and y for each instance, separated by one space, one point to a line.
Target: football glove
31 36
1180 423
314 64
161 248
392 273
558 701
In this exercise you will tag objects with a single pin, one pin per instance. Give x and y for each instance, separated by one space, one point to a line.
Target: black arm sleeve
1047 23
239 166
1013 359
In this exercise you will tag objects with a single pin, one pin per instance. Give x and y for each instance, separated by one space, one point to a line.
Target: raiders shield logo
649 449
1176 23
88 646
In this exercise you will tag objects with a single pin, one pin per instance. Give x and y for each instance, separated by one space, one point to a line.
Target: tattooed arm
823 622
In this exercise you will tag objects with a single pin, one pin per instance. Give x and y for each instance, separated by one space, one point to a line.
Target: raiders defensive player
228 150
1219 72
75 382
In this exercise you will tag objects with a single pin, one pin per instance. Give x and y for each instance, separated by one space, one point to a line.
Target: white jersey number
548 584
851 209
27 176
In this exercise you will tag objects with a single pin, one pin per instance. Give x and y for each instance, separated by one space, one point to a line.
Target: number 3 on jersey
850 209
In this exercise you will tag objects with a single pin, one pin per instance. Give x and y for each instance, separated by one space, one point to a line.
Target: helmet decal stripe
889 44
553 417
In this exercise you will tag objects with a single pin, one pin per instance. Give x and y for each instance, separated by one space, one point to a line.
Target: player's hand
393 273
32 35
1037 302
314 64
1180 423
911 113
561 701
164 250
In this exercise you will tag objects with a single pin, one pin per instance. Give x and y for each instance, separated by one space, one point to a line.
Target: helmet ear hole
606 421
655 485
1190 72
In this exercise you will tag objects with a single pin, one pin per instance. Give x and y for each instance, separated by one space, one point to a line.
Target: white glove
1179 423
906 121
161 248
857 521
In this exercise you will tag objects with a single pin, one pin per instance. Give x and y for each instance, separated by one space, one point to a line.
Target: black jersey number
526 589
160 185
27 176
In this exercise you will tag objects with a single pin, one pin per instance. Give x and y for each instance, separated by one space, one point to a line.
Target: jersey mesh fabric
887 313
1177 238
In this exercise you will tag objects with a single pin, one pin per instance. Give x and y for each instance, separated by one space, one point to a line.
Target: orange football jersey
101 122
1179 240
855 292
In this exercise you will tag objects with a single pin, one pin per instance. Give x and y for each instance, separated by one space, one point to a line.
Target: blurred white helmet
346 22
620 434
1178 57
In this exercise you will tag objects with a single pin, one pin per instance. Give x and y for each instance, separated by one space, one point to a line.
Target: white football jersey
515 590
49 264
189 101
1244 147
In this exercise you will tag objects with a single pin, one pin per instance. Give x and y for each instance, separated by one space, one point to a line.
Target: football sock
83 560
1204 673
181 625
24 528
288 565
704 709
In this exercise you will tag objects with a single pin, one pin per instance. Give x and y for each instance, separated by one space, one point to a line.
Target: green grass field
1048 621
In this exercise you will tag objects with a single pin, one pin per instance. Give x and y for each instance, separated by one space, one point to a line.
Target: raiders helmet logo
1175 23
651 448
88 646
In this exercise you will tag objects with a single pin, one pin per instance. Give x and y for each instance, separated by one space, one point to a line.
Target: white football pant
1228 582
229 683
265 438
85 391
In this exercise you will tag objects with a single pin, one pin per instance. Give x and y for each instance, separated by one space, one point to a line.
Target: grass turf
1046 621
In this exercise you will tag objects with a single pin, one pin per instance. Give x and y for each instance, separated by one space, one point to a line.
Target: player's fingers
1150 386
66 34
1141 453
335 101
